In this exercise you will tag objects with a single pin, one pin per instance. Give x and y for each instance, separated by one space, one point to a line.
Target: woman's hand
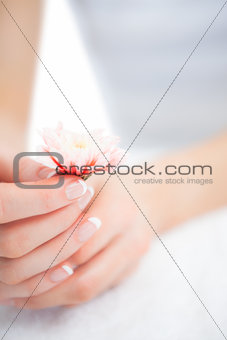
100 259
114 250
34 224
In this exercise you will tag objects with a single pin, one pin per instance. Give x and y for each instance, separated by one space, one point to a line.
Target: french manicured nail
76 189
61 273
46 173
8 302
88 229
85 199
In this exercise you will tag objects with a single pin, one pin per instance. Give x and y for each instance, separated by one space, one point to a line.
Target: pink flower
79 149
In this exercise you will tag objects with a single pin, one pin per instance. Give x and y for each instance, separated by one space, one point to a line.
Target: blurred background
137 47
133 50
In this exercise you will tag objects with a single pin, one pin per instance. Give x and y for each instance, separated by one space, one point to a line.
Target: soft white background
135 48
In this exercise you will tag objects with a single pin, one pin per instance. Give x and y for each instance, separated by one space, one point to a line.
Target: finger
51 253
29 170
32 171
126 272
17 203
93 277
110 229
22 236
37 284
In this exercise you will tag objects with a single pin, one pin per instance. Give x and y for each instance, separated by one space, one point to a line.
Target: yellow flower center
81 145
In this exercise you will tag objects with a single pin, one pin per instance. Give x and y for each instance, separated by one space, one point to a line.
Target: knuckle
137 244
34 303
28 287
86 289
9 273
142 243
81 256
46 200
12 244
146 245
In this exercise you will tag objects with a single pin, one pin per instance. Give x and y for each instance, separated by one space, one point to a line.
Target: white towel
155 303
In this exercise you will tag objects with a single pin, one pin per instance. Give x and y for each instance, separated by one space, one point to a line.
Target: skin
114 251
17 64
23 262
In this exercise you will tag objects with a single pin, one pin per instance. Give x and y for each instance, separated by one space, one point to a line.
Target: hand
103 261
33 226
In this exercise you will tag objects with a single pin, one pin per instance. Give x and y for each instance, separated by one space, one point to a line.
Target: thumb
29 170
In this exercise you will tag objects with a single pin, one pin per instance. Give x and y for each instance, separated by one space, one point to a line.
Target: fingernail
61 273
76 189
84 200
46 173
88 229
8 302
